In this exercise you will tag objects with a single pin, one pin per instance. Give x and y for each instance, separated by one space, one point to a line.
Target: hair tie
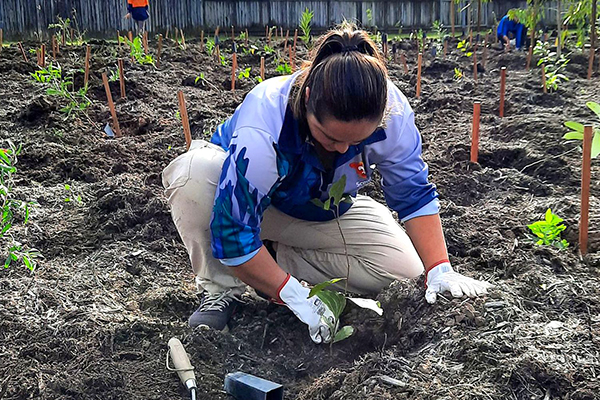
347 49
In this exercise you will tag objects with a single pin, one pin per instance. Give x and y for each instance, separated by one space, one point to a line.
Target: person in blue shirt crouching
511 32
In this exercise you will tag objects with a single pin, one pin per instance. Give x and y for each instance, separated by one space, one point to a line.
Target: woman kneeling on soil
289 140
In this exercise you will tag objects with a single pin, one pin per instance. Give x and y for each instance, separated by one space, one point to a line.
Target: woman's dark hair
347 78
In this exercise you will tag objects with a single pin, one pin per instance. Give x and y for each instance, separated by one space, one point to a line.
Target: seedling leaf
576 126
573 136
337 190
334 300
318 288
343 333
596 144
595 107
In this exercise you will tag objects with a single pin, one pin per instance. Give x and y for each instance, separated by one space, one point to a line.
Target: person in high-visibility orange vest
138 10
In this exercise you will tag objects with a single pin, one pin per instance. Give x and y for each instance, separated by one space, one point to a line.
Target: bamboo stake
43 56
233 68
592 38
182 38
130 35
475 135
591 64
202 41
292 64
268 36
445 47
160 44
64 38
232 33
544 78
122 78
146 42
502 90
404 64
475 63
111 105
22 51
184 120
281 36
419 61
86 76
484 56
54 47
247 38
295 40
266 31
287 36
585 189
72 36
218 53
262 68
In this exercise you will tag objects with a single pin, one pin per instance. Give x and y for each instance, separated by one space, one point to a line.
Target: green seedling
63 29
463 46
244 74
137 50
577 129
258 79
210 46
12 207
223 60
199 78
553 65
60 84
548 231
458 74
283 68
113 75
242 36
268 49
71 199
305 25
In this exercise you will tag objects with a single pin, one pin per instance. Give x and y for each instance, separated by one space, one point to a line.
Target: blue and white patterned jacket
271 162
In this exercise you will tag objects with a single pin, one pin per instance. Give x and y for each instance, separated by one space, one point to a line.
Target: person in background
245 203
511 32
138 11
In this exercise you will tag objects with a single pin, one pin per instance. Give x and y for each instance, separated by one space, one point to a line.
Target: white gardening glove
313 312
442 278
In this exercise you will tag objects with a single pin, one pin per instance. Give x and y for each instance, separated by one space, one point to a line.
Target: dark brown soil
114 284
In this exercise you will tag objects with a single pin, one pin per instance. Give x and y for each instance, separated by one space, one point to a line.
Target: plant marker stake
184 120
585 189
295 40
130 35
54 46
287 36
233 68
202 41
484 56
544 78
160 40
146 42
403 59
502 90
22 51
72 36
218 53
86 76
445 48
419 61
591 63
122 78
281 36
111 105
475 64
232 33
268 36
266 30
475 136
43 56
64 38
246 37
262 68
593 16
182 38
529 56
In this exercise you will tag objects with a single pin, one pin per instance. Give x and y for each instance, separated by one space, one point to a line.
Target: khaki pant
378 248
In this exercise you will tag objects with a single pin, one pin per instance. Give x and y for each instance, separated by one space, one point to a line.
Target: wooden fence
30 18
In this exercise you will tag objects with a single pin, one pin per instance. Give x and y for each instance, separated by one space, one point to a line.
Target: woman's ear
306 95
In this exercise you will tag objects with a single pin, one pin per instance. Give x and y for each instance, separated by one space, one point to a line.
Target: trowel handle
181 361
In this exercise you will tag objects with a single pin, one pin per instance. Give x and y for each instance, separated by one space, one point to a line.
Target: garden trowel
182 366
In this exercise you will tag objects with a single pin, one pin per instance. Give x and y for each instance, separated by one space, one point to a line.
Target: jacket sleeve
248 178
129 6
502 31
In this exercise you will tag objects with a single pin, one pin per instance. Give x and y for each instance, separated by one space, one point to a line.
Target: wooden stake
202 41
419 61
232 33
268 36
247 38
122 77
86 76
43 56
403 59
292 64
72 36
22 51
262 68
267 31
445 47
64 38
160 40
475 135
217 30
502 90
130 35
281 36
484 56
544 78
146 42
54 47
585 189
218 53
529 56
295 40
591 63
233 68
111 105
452 17
182 38
475 63
184 120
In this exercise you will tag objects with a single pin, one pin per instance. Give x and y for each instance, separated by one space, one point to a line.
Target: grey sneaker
215 311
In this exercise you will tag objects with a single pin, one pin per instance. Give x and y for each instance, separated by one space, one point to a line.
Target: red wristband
285 281
433 266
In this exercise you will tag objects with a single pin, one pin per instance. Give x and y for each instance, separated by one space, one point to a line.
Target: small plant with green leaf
223 60
137 51
548 231
71 196
458 74
553 65
60 84
305 25
63 28
210 46
244 74
11 208
268 49
283 68
577 128
463 46
334 300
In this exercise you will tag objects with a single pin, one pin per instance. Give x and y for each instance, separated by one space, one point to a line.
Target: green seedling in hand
548 231
577 129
